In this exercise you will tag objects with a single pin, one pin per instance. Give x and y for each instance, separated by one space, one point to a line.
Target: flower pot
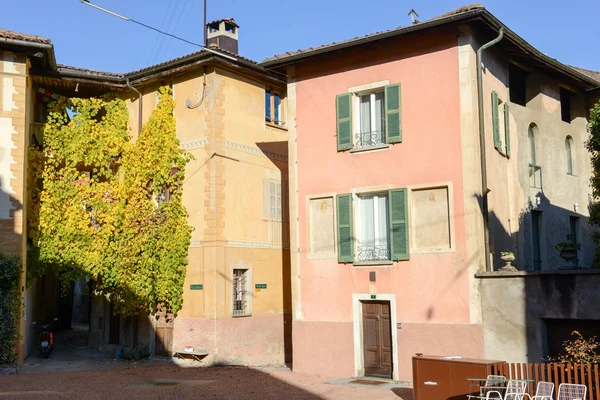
568 253
508 259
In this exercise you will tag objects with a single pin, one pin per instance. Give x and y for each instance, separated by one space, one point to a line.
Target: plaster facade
15 92
239 161
431 289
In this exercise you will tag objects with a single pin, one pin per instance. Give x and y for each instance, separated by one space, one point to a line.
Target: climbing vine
593 146
110 208
10 307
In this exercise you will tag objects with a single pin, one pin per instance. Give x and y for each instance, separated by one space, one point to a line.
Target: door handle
429 383
378 317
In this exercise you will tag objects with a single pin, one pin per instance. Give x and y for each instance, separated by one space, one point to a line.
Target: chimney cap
230 21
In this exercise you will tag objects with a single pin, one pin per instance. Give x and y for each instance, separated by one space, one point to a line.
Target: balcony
370 139
373 253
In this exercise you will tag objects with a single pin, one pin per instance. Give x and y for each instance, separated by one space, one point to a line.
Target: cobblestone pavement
155 380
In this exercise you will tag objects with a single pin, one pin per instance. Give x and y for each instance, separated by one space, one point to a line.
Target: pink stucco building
387 224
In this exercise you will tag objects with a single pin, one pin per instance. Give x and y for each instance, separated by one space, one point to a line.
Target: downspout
484 186
139 106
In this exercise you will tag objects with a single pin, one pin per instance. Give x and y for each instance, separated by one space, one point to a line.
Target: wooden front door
164 334
377 339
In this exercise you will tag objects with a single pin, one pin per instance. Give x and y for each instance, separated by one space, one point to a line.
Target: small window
535 171
569 154
371 118
500 123
565 105
372 235
517 78
272 203
241 293
273 108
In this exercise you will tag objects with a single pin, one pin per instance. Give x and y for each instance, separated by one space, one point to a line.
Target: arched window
569 154
533 129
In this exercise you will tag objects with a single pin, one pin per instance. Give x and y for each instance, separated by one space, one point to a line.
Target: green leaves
10 307
96 209
593 146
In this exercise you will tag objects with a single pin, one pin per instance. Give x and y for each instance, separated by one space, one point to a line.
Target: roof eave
496 24
283 61
48 48
482 13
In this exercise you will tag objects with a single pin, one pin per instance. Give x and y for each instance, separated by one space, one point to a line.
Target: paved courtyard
160 380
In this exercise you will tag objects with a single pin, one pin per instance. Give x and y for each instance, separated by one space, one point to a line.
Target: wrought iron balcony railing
368 139
373 253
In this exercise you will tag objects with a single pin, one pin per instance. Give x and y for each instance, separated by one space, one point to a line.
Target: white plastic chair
544 391
572 391
515 390
492 383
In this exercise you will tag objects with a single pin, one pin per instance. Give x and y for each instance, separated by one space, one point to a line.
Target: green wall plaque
373 296
196 287
260 286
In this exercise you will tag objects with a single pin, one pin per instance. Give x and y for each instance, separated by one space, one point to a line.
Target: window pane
569 156
378 123
365 114
382 229
531 146
367 219
373 241
267 105
277 106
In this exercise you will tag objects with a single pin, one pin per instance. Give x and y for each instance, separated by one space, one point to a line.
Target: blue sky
88 38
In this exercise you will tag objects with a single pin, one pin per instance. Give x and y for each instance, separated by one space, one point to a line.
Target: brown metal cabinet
439 378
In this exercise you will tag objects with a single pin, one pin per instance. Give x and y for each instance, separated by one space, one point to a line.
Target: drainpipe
139 106
484 187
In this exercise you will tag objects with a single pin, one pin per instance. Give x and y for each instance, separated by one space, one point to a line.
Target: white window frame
356 193
357 92
358 227
248 294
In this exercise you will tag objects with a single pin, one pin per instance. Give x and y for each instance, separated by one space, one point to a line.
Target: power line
158 36
167 28
87 2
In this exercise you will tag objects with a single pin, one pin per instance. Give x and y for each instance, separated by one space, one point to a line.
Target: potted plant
508 257
568 250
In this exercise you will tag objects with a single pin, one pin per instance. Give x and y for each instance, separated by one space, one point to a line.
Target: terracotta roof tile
4 33
587 72
228 20
460 10
92 71
190 55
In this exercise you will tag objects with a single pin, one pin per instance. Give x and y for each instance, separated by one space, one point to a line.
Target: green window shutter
496 121
343 104
506 130
393 113
399 224
345 229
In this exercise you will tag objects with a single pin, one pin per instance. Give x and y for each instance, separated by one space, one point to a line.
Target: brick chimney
224 34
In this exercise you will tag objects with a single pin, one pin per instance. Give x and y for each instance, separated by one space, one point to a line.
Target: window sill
570 174
272 125
369 148
241 315
383 263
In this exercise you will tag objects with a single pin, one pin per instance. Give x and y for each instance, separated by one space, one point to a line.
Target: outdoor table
489 388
